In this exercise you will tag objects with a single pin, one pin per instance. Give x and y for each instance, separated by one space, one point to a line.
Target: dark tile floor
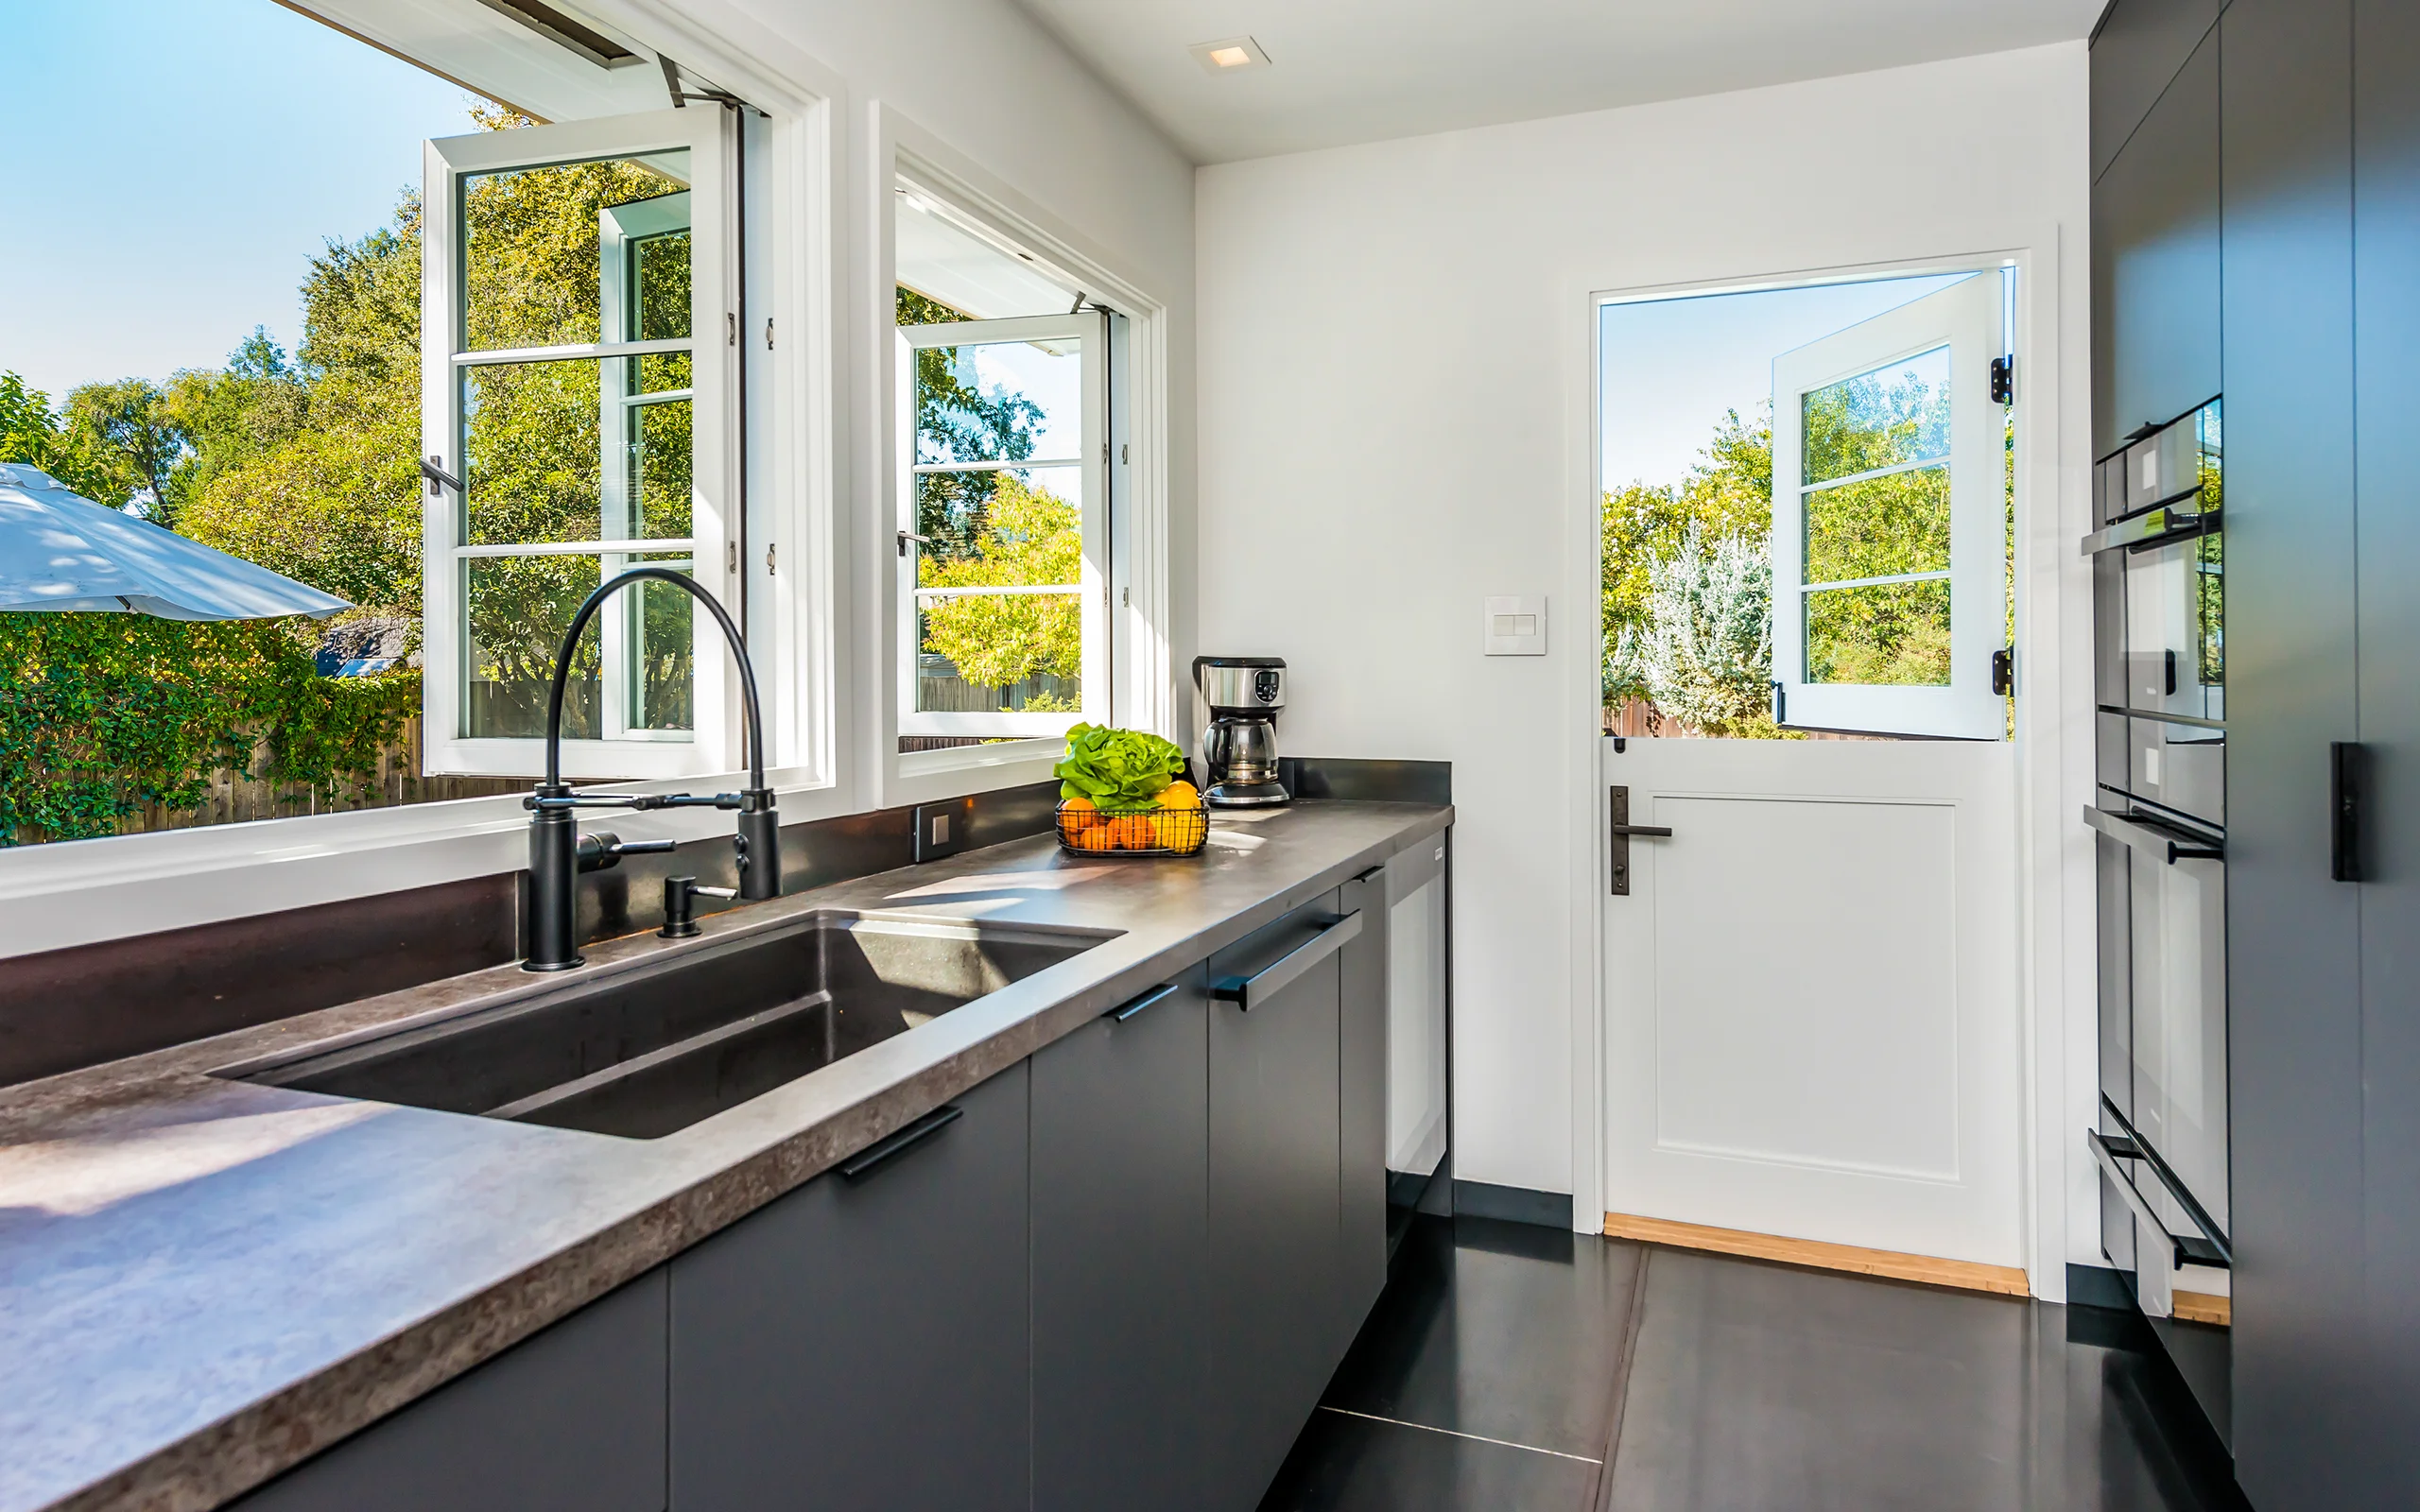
1516 1367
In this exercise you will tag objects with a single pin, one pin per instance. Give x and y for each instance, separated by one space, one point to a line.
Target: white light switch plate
1516 626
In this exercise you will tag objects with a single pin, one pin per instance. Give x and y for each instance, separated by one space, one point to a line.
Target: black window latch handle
2347 764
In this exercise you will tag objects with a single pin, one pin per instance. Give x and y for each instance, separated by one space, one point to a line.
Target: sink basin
648 1050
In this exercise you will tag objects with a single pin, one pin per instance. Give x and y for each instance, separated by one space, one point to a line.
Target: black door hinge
2004 672
2004 380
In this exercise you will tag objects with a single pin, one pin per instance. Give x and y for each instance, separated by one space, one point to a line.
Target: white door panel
1810 995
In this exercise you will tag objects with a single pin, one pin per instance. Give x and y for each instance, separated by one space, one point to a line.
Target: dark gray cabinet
569 1421
2385 55
2292 932
1274 1276
2139 48
2155 259
1121 1166
864 1342
1361 1099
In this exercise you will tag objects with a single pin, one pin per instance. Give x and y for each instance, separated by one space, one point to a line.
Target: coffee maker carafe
1244 694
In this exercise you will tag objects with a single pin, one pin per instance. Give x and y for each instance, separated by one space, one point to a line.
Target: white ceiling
1344 71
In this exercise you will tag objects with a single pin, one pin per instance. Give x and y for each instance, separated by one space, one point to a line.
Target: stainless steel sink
656 1048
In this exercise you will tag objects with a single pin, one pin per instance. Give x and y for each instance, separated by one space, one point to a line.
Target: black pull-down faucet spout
556 857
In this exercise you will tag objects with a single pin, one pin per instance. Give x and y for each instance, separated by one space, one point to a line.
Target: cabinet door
1273 1196
862 1344
569 1421
2139 48
2385 233
1122 1163
2292 934
2155 260
1362 1095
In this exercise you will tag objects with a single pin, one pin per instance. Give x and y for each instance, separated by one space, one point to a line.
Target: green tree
1030 536
1729 493
31 433
129 431
956 420
1704 656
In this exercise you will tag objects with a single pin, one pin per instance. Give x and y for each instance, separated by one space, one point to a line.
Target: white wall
1393 376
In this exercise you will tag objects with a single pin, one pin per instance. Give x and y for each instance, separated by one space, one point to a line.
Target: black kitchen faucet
558 851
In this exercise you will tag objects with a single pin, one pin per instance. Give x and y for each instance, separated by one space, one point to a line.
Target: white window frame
1091 467
1968 317
708 136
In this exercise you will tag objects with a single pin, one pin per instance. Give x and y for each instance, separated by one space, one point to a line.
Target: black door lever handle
1663 830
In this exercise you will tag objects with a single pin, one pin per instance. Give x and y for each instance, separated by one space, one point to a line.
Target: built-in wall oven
2158 562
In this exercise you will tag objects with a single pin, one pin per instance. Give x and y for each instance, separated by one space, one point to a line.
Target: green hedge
101 713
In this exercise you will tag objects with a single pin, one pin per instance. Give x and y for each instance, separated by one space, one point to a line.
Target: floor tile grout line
1478 1438
1602 1500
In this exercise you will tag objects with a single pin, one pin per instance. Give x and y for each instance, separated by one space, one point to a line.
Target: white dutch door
1811 1007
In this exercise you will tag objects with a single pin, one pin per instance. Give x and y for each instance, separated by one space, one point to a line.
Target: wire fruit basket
1138 832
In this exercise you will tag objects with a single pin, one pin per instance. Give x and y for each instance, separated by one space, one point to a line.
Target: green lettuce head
1116 768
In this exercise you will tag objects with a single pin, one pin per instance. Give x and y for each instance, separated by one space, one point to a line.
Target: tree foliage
958 421
101 713
1704 655
1030 536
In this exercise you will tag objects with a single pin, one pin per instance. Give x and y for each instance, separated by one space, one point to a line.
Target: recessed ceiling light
1227 56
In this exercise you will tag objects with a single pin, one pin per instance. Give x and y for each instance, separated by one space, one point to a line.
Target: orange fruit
1133 832
1095 837
1180 795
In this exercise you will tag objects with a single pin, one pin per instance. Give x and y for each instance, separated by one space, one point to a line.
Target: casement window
1891 525
578 378
1004 524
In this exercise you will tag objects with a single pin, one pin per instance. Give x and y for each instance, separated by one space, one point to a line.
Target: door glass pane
1882 634
1886 416
535 435
530 450
516 610
985 641
658 655
1882 528
656 470
999 402
531 265
989 652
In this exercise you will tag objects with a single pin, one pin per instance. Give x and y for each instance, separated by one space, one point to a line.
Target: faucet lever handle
604 850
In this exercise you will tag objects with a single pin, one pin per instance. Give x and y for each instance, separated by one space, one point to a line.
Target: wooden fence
1637 718
233 799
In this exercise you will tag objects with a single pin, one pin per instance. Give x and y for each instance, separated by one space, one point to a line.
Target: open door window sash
1088 329
1965 318
706 210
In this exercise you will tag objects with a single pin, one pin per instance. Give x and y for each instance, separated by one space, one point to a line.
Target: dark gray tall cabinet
2316 133
2386 331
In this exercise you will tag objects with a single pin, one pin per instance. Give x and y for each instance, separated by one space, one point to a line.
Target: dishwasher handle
1248 993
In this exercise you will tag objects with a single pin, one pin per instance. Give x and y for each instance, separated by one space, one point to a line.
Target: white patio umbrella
61 551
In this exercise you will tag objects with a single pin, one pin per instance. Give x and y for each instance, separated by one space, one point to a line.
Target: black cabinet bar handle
1248 993
2346 766
1155 997
899 1141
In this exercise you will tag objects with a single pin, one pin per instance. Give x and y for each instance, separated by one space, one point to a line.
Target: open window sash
1888 534
541 401
983 554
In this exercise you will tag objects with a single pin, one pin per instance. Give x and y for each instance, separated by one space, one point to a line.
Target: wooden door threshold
1966 1274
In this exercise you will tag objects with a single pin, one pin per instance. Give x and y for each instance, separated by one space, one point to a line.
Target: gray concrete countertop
204 1282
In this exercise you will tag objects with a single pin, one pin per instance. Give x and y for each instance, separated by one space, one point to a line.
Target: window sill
76 892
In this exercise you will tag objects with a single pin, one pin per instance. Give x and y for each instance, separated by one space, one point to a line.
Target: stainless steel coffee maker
1244 694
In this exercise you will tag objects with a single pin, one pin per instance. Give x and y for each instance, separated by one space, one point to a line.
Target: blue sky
174 164
1670 368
